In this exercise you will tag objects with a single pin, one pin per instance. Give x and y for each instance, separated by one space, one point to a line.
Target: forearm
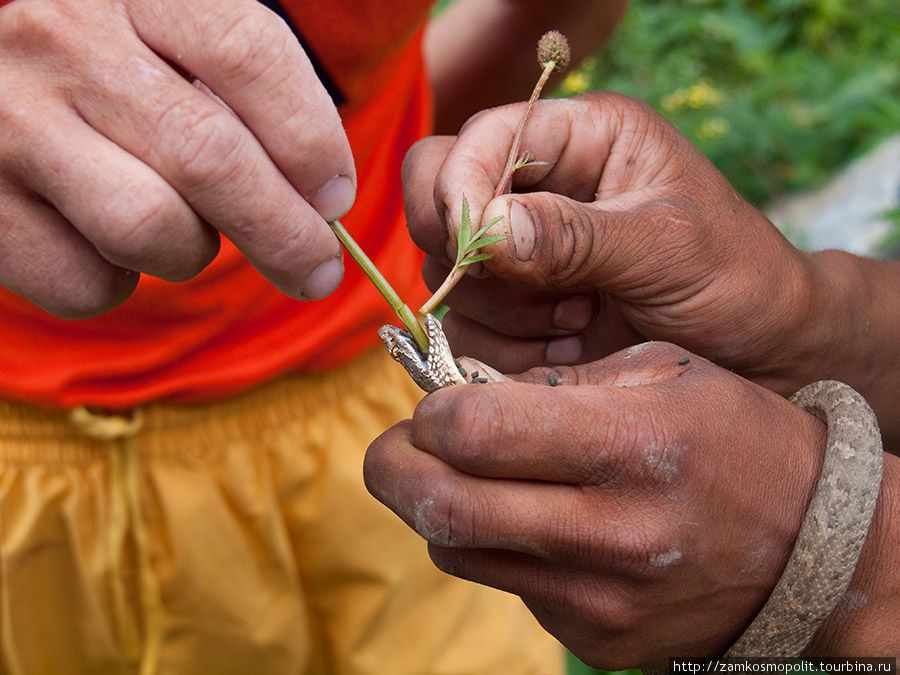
481 53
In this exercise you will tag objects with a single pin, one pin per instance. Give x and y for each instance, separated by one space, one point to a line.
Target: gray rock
847 212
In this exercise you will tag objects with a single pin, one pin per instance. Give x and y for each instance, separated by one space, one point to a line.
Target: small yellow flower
697 96
576 82
712 128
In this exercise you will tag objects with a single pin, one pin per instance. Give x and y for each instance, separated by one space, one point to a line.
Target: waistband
32 435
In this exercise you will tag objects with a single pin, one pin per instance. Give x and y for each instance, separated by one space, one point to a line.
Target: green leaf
478 257
487 241
462 237
491 223
527 159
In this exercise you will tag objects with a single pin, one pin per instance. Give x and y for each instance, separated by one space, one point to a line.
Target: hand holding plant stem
553 54
467 247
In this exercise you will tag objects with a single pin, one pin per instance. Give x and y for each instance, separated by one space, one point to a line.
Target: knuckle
573 240
440 517
149 233
30 24
253 41
129 229
285 253
476 421
200 142
661 453
500 117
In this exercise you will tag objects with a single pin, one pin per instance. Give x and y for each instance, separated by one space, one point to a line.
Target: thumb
651 243
555 242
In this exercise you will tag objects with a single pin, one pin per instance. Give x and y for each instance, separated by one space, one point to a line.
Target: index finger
574 429
250 58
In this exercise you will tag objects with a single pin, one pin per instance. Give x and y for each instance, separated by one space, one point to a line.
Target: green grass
576 667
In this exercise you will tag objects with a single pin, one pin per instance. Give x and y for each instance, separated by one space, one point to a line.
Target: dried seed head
554 47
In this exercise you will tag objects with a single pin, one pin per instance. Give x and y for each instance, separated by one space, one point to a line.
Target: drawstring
125 511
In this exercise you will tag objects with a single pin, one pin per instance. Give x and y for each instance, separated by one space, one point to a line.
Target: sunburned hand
622 231
643 508
113 160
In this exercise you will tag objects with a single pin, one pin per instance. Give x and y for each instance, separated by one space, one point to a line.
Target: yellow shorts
234 538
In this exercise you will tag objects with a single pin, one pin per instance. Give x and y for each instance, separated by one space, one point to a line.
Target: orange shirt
228 329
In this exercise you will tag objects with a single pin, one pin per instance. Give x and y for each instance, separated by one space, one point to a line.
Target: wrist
851 330
833 317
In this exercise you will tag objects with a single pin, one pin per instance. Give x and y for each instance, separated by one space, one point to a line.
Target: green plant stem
406 315
437 298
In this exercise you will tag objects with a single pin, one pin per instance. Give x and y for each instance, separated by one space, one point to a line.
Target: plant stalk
406 315
505 183
438 297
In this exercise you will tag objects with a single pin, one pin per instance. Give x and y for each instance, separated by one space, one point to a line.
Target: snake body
833 531
837 519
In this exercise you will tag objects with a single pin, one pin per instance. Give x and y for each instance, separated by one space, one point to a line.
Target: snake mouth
397 336
401 345
432 369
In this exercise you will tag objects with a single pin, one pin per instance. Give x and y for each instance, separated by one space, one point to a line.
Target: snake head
432 370
403 349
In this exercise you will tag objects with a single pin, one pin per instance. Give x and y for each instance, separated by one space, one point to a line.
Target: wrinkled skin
620 505
636 235
133 133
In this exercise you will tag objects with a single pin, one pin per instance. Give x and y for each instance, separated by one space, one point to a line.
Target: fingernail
573 313
523 230
563 350
334 199
324 279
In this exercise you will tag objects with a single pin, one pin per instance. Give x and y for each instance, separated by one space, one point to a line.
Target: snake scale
837 519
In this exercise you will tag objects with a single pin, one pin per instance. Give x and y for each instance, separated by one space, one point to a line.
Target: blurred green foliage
777 93
576 667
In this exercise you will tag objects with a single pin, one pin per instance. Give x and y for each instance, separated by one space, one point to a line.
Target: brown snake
837 519
833 531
